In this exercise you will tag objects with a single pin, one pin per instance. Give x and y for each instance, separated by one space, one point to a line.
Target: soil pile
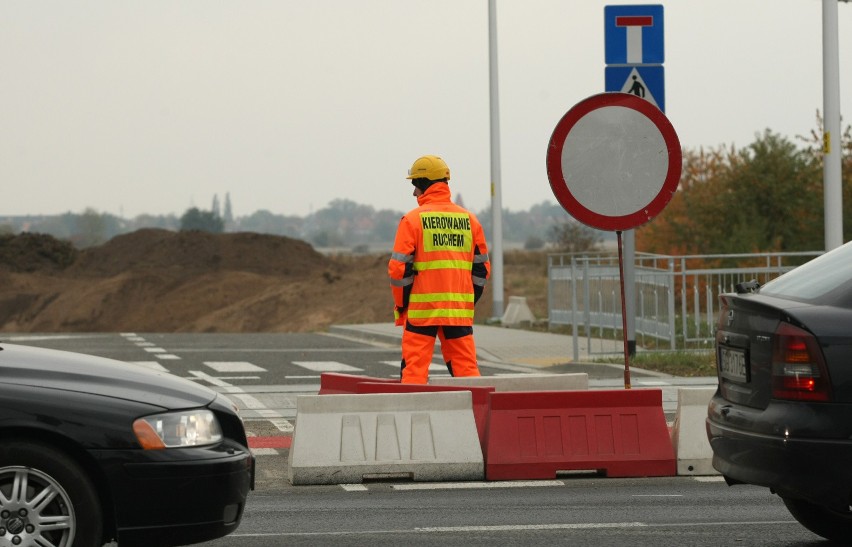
162 281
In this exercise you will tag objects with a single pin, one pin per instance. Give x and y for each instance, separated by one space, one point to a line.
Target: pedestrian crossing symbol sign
646 82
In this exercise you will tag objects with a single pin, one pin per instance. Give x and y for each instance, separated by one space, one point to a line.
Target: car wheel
46 498
825 522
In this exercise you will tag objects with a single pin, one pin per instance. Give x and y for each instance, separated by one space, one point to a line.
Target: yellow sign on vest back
446 231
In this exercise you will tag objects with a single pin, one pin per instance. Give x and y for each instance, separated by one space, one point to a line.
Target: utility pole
831 148
496 251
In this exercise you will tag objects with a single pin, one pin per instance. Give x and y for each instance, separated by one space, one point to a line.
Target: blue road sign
643 81
633 35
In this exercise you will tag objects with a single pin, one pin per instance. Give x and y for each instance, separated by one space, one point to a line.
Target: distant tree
90 230
228 214
572 237
533 243
765 197
266 222
205 221
166 222
214 208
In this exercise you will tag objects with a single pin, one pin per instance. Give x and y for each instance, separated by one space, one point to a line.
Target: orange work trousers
418 345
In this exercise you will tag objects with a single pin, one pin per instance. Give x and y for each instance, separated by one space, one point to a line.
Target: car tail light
798 369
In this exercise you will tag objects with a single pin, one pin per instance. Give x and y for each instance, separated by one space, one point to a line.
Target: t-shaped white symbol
634 24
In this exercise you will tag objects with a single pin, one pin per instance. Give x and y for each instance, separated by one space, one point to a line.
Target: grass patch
676 363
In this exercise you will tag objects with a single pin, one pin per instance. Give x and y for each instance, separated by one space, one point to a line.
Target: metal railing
675 296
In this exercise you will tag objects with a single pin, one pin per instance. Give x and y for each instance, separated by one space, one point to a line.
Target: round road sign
614 161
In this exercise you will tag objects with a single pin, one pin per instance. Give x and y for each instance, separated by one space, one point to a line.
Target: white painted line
517 527
238 377
713 478
264 451
657 496
153 365
128 334
155 350
145 344
233 366
212 379
475 485
166 356
326 366
35 338
249 402
303 377
354 487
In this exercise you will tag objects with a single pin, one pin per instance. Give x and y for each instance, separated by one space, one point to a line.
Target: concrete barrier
332 383
538 435
520 382
479 395
341 439
517 312
689 433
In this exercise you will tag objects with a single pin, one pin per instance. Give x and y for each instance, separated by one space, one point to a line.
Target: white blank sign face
615 161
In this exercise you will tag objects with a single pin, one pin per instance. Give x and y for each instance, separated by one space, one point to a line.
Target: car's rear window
827 276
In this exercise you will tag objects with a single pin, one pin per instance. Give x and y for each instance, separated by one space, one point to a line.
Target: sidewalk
529 351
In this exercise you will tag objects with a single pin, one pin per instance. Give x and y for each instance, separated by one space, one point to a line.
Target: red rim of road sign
557 177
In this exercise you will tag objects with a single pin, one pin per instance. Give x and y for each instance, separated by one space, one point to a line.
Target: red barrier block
479 396
534 435
335 382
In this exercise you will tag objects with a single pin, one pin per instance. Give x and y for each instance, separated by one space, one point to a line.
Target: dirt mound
200 252
161 281
35 252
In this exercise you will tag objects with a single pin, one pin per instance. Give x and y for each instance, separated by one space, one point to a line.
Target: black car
94 450
782 416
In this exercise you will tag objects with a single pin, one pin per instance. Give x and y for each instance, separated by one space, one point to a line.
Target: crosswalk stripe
326 366
233 366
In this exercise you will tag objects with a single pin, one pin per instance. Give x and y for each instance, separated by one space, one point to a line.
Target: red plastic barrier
479 396
332 383
534 435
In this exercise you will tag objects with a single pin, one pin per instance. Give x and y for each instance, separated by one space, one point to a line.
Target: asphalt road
264 373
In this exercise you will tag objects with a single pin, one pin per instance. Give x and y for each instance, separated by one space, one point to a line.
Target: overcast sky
156 106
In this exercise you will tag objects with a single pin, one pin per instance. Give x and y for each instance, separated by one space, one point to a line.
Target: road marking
155 350
714 478
263 451
517 527
326 366
152 365
166 356
354 487
249 402
475 485
233 366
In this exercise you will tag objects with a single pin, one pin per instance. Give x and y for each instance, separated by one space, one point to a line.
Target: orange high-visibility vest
439 255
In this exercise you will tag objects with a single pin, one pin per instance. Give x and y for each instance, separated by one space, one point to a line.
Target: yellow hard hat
429 167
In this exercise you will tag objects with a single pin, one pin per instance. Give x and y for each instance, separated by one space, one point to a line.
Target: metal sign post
614 162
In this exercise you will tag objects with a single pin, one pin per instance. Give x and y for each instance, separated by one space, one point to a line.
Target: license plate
733 364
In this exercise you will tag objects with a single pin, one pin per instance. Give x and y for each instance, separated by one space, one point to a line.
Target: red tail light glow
798 369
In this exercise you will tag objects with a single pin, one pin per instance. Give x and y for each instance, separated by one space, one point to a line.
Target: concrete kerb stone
689 434
343 439
520 382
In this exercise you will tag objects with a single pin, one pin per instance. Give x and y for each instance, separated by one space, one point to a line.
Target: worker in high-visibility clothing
438 270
